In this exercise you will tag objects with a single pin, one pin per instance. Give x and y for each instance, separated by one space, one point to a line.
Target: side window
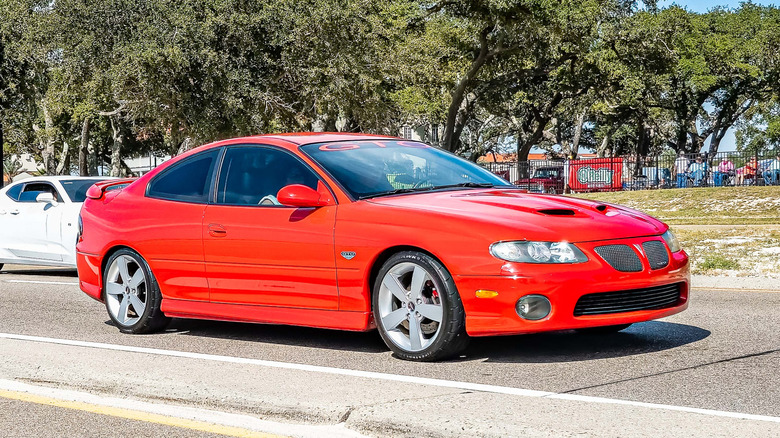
14 192
32 190
254 175
187 180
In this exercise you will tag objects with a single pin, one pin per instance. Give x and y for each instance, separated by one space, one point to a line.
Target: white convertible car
39 220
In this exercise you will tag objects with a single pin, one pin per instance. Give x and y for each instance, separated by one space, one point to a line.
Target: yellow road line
137 415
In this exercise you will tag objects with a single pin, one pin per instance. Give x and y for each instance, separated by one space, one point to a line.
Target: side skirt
329 319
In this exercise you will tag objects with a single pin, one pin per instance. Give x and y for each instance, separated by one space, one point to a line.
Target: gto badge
349 255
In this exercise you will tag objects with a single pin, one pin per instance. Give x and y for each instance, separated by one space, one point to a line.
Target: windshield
368 168
77 188
546 173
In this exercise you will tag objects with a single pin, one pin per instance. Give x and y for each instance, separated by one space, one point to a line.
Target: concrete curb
737 284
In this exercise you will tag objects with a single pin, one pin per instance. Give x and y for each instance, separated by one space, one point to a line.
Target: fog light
533 307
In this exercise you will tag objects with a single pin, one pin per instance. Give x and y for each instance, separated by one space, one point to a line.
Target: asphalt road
722 354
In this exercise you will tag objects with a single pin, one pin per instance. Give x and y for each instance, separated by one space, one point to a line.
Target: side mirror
46 198
298 195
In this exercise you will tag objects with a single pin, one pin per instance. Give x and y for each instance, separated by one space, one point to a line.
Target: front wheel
131 294
417 309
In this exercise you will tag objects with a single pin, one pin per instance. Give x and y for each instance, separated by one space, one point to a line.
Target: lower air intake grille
649 298
620 257
656 254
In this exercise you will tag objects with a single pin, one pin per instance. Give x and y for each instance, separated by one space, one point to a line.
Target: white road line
390 377
246 422
41 282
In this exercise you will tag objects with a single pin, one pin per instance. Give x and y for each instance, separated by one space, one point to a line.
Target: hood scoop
557 212
601 207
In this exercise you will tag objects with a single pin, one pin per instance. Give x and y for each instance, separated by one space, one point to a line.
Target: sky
704 5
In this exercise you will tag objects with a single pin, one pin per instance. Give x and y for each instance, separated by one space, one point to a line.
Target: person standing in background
680 169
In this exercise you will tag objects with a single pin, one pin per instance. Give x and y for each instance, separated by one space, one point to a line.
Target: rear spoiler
97 190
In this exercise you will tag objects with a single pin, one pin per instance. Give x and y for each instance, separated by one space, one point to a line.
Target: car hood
533 216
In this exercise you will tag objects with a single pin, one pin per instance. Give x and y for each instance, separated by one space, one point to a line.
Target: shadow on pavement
564 346
39 271
364 342
572 346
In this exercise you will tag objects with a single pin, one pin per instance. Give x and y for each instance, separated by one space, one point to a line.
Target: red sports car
356 232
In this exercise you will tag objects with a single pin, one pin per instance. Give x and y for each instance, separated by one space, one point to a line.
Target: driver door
260 252
29 225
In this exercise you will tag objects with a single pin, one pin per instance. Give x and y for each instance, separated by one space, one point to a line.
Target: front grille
620 257
656 254
648 298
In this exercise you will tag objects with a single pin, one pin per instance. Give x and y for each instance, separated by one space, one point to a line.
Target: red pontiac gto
356 232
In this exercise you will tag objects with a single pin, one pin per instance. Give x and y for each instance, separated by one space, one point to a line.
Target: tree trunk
49 160
717 136
84 148
2 153
603 149
63 167
449 140
575 142
185 146
116 147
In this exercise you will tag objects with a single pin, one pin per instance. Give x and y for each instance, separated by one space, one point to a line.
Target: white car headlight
671 241
537 252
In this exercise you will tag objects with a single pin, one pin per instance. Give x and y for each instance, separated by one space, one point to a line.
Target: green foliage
563 75
717 262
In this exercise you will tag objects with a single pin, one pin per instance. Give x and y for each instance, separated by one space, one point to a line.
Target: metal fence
640 173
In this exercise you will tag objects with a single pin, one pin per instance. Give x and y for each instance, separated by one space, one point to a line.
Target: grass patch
718 262
725 230
707 205
732 250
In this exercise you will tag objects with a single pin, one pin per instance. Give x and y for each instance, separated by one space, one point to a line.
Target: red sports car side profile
357 232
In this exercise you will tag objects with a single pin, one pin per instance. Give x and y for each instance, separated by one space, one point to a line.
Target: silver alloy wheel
410 307
126 287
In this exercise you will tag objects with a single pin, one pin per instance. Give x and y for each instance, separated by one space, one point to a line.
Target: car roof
293 140
53 178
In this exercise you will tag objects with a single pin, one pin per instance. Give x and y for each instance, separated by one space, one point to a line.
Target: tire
604 330
128 284
407 283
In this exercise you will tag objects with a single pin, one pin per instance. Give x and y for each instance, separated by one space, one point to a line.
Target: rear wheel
131 294
417 309
604 330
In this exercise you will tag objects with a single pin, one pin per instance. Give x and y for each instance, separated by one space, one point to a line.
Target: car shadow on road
47 272
563 346
364 342
572 346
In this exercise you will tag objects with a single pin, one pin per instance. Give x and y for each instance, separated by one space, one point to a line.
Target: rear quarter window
187 180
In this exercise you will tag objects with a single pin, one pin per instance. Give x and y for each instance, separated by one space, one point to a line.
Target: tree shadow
573 346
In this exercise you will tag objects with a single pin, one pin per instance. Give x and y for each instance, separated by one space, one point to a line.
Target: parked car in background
39 220
547 179
309 229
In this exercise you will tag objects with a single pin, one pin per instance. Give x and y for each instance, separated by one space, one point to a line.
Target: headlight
538 252
671 241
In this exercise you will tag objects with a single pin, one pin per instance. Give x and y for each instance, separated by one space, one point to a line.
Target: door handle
14 212
217 230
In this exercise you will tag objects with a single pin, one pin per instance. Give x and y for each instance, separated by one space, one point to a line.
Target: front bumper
563 285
